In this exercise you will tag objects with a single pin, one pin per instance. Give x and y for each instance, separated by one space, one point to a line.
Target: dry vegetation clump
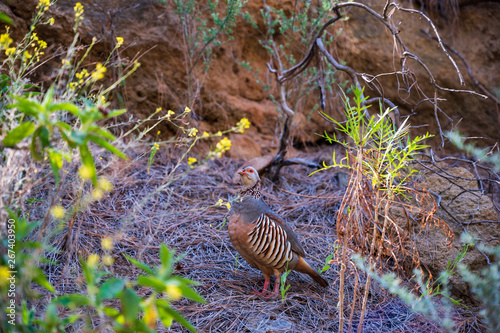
185 217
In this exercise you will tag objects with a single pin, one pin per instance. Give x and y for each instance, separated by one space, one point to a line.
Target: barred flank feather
269 242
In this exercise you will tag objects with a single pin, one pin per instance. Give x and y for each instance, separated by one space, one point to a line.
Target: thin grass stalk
354 299
341 288
372 248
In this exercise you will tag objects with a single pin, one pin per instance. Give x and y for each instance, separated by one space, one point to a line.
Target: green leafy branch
44 126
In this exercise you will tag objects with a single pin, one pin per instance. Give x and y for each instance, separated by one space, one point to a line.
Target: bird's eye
250 170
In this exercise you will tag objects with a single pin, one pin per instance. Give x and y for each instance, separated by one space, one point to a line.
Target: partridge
262 238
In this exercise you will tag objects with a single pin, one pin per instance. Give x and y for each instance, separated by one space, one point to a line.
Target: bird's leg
266 284
277 284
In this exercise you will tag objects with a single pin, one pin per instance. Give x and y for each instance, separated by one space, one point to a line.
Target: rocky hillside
153 34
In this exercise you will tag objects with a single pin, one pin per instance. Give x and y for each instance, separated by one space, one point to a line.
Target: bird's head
249 177
250 182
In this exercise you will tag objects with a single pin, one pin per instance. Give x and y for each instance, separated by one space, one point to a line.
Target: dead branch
469 70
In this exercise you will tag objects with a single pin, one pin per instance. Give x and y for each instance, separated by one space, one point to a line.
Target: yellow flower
78 10
228 205
170 113
57 211
27 55
119 41
43 3
192 160
205 134
158 109
187 110
107 243
83 74
97 194
173 291
151 317
4 275
219 133
99 72
104 184
103 99
242 125
192 131
5 41
85 172
42 44
224 144
51 21
156 146
220 202
158 133
92 260
65 62
10 51
107 260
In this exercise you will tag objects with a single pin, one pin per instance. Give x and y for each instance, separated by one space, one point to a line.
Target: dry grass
180 215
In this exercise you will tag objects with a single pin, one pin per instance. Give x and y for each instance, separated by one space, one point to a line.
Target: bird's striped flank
268 240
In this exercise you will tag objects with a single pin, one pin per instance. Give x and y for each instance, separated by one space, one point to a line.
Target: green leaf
40 279
71 319
17 134
5 82
165 317
111 312
189 292
51 317
63 126
116 113
88 161
151 281
47 100
130 305
164 310
166 256
33 149
72 300
111 288
78 137
6 19
66 106
141 265
44 137
106 145
102 132
56 163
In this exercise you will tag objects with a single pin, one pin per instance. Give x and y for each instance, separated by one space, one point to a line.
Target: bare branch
469 70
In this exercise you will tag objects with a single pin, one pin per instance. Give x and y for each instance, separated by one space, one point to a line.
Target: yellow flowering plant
58 114
154 149
165 286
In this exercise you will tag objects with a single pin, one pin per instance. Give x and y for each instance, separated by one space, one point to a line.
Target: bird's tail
304 267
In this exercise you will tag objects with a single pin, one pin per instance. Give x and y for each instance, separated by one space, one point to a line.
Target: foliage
478 153
58 123
65 117
204 29
434 288
296 29
326 266
379 157
45 126
484 285
283 285
384 155
136 313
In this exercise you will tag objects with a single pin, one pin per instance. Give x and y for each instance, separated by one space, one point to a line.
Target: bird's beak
241 172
